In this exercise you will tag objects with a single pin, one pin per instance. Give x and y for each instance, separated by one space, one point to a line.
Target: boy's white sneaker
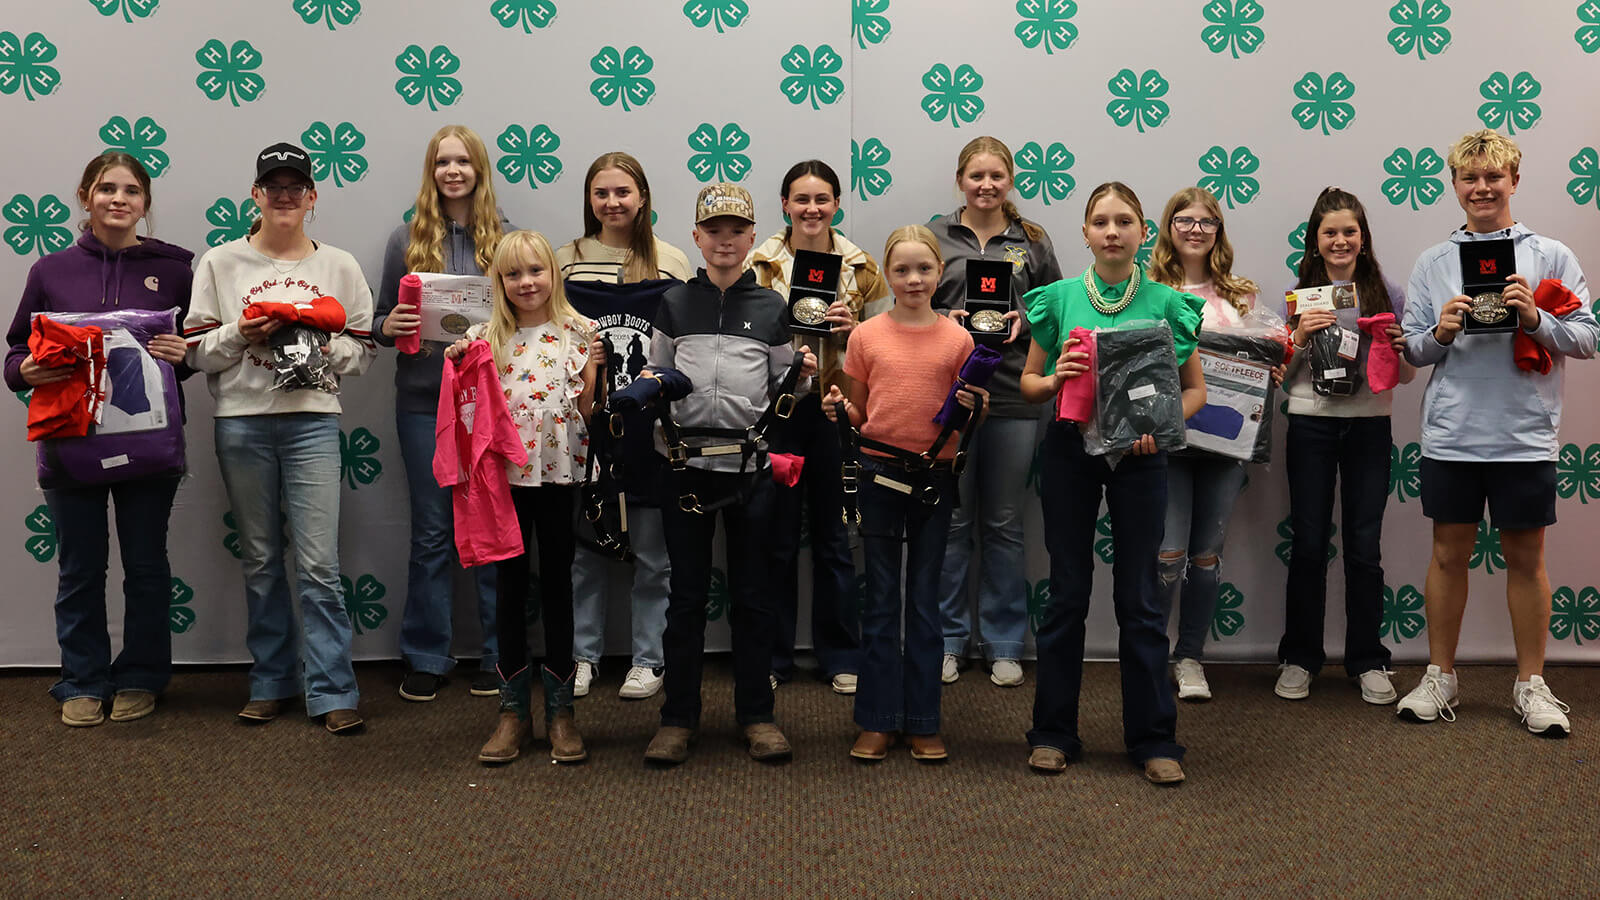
1540 710
1191 678
642 683
582 678
1294 682
1435 697
1377 688
950 670
1005 672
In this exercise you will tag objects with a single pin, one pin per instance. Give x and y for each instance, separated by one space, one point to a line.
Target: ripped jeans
1201 490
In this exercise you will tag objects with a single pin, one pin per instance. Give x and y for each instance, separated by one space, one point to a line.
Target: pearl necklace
1110 307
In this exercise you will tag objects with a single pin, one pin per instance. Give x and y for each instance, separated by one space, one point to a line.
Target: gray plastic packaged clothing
1239 398
1136 390
140 433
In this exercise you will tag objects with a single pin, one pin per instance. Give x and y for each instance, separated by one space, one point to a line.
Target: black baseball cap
284 155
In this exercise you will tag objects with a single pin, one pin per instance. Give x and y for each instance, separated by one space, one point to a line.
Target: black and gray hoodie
734 347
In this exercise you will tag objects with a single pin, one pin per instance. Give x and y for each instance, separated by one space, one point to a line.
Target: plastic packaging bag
1337 356
298 362
1137 391
1236 421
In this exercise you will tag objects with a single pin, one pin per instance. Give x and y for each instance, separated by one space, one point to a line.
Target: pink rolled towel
1383 363
1075 403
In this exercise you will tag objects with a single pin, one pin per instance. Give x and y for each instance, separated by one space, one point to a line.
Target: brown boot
506 743
566 744
766 742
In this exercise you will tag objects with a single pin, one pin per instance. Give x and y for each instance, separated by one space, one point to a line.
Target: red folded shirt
66 408
324 313
1556 299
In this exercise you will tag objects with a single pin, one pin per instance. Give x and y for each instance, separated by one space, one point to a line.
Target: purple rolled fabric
976 371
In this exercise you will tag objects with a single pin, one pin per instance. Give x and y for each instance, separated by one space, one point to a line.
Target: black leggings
546 510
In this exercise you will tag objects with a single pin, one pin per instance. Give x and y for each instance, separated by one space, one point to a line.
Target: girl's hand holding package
1397 337
455 350
403 322
167 347
256 331
1144 446
36 375
1312 322
1071 363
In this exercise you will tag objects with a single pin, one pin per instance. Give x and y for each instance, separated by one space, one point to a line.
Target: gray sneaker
1191 678
1376 688
1294 682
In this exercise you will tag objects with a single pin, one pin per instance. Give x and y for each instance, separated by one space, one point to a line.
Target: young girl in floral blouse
544 353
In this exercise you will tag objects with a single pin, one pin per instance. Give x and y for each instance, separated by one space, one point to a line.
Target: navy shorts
1520 495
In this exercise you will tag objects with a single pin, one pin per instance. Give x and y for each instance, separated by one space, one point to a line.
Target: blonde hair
641 263
1166 268
522 248
993 145
1486 147
425 252
912 234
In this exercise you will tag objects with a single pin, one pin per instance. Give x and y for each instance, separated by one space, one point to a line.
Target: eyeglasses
1188 223
297 191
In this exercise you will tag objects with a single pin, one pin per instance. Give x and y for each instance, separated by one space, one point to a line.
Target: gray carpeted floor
1325 797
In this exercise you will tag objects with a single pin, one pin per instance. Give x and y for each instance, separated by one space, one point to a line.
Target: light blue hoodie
1479 407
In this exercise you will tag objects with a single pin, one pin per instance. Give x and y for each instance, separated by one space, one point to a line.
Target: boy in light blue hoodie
1490 417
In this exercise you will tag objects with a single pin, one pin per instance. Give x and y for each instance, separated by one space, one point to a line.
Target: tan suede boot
506 743
566 744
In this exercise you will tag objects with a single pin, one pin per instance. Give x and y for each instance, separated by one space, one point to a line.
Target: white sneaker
642 682
844 683
582 678
1006 672
1191 678
772 679
1435 697
1376 688
1294 682
1543 713
951 670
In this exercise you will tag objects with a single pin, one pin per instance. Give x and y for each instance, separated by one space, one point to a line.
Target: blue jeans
1201 490
591 576
1136 495
284 469
425 630
145 663
899 690
993 491
1355 451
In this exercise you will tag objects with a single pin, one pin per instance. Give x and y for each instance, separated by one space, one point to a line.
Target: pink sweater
908 372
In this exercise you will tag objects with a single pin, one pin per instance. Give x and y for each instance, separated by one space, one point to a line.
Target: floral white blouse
542 385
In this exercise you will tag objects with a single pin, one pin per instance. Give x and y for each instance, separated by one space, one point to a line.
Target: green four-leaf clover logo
1235 26
427 75
230 539
1588 34
358 458
1047 22
37 226
1486 549
140 140
1285 548
1044 172
1142 257
1038 604
232 221
952 95
716 12
1576 617
41 542
1405 470
1230 176
361 602
1578 472
1137 99
869 23
1419 27
622 77
530 155
24 64
717 595
1415 177
811 75
717 155
1585 189
1324 102
1510 102
1105 546
332 12
229 71
180 617
869 172
530 14
1228 618
129 8
1297 248
334 152
1403 617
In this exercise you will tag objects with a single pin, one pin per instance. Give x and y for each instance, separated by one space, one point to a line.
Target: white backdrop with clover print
1263 101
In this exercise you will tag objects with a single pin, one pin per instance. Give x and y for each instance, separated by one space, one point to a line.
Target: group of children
723 389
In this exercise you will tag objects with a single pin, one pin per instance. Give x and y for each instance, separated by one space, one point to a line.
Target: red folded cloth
1383 364
1556 299
324 313
786 468
410 296
66 408
1075 403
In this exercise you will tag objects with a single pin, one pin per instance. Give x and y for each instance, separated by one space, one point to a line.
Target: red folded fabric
325 313
66 408
786 468
1075 403
410 295
1383 364
1556 299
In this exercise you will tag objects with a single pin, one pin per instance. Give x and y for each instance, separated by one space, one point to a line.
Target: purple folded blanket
976 371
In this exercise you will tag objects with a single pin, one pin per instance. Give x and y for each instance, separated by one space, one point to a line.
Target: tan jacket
860 284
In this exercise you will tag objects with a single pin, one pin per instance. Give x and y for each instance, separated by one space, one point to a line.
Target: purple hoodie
89 277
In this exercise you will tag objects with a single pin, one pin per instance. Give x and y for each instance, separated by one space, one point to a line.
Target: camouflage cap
723 199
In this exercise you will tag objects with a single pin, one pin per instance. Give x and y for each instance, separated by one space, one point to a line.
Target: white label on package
1141 392
1329 374
453 303
1349 343
111 462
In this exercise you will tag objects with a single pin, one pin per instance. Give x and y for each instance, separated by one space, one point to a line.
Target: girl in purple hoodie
110 267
